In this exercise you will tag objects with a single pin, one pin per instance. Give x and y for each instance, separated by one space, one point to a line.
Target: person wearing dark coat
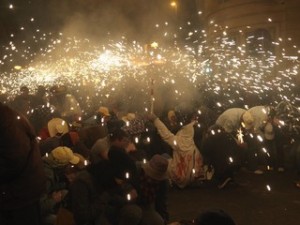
22 178
88 196
221 151
153 190
99 194
125 193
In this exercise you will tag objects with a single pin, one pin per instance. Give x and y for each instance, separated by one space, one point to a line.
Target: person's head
57 127
156 168
269 132
129 117
41 115
134 126
247 121
172 116
72 170
59 91
24 90
184 114
122 165
64 156
271 112
119 138
214 217
41 90
100 149
15 131
103 114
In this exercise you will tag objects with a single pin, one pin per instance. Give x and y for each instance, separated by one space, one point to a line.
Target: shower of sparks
215 67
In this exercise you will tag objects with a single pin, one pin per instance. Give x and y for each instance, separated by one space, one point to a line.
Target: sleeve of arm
46 201
165 133
47 204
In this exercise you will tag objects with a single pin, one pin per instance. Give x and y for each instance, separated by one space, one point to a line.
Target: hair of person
214 217
118 134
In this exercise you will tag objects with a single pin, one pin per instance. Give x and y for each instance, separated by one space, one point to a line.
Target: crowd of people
63 165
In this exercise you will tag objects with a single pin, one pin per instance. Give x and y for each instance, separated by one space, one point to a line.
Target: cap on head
57 126
129 117
64 155
104 111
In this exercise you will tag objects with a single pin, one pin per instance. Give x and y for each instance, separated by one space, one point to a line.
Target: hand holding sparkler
150 116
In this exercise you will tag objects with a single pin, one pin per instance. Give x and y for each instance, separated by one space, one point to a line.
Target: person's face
130 147
71 176
106 118
119 181
123 142
103 118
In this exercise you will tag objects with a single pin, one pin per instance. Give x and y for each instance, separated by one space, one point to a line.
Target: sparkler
240 136
152 96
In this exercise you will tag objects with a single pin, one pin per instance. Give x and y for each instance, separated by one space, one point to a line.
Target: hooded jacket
186 163
230 119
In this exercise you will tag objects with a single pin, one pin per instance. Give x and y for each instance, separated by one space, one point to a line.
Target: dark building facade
266 20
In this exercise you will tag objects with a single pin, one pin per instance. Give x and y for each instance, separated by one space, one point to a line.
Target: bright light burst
218 68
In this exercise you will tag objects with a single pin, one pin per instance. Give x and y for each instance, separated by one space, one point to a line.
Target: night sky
133 18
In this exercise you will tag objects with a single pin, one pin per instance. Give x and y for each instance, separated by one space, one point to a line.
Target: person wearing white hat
235 118
57 127
240 123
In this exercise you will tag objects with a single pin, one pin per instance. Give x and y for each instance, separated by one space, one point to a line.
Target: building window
259 43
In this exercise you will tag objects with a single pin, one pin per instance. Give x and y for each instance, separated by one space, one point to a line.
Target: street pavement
267 199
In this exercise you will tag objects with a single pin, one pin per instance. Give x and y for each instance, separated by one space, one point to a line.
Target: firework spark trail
220 67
